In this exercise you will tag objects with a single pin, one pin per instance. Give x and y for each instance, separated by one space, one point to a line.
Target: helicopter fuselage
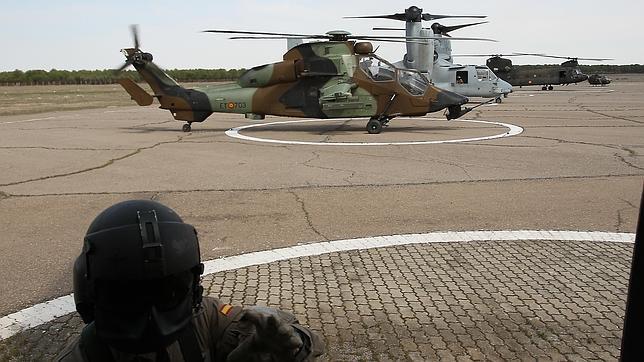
314 80
566 73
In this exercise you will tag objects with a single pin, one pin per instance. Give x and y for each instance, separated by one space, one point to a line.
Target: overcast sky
74 34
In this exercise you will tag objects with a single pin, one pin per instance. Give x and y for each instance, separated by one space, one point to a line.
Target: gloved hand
273 339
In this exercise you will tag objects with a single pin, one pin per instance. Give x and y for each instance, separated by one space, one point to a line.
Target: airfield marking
28 120
46 312
513 130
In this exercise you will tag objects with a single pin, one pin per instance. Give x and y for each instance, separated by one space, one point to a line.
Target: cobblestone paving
449 301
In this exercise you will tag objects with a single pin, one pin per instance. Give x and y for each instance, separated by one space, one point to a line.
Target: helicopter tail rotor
134 55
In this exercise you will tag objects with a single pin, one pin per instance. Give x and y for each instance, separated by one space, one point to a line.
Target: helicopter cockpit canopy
380 70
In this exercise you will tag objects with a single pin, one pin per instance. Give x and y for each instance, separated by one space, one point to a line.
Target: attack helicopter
337 78
434 58
546 76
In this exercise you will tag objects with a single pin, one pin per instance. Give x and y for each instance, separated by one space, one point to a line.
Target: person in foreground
137 286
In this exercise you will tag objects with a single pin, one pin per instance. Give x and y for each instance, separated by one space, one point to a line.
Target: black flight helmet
138 276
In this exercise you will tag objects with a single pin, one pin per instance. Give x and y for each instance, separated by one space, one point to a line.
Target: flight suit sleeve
228 330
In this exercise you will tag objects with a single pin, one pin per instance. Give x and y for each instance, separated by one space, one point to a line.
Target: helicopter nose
445 99
505 87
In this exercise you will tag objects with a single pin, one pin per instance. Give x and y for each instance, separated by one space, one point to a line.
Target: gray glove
272 340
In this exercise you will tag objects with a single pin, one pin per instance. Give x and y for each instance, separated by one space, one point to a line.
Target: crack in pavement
620 218
587 109
613 117
453 164
627 163
502 146
310 186
316 156
619 157
307 216
108 163
559 140
151 123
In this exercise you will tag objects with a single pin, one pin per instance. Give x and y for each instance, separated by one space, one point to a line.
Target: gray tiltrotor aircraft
434 57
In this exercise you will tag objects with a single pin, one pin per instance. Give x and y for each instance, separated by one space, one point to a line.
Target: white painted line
235 133
28 120
46 312
36 315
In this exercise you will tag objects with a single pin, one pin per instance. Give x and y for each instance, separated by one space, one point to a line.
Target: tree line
108 76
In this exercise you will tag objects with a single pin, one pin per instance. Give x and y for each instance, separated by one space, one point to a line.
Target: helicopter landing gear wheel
550 87
186 127
374 126
544 88
498 100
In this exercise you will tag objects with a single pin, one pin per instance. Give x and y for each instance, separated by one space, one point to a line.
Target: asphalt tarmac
577 165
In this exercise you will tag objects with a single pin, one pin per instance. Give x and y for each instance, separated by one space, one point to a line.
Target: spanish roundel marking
231 105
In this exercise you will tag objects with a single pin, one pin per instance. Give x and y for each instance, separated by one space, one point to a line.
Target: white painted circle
47 311
513 130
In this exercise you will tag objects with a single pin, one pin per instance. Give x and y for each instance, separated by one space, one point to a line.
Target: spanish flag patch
225 309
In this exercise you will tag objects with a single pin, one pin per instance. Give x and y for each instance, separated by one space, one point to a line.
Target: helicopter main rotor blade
270 37
560 57
306 36
367 37
395 40
486 55
429 17
444 29
403 16
401 29
399 16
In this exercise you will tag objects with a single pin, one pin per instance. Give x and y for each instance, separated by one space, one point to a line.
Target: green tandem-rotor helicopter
341 77
546 76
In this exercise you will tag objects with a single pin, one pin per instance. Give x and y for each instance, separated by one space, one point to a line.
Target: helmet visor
144 312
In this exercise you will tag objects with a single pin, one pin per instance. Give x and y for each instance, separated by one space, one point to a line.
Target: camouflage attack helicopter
338 78
434 58
547 76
